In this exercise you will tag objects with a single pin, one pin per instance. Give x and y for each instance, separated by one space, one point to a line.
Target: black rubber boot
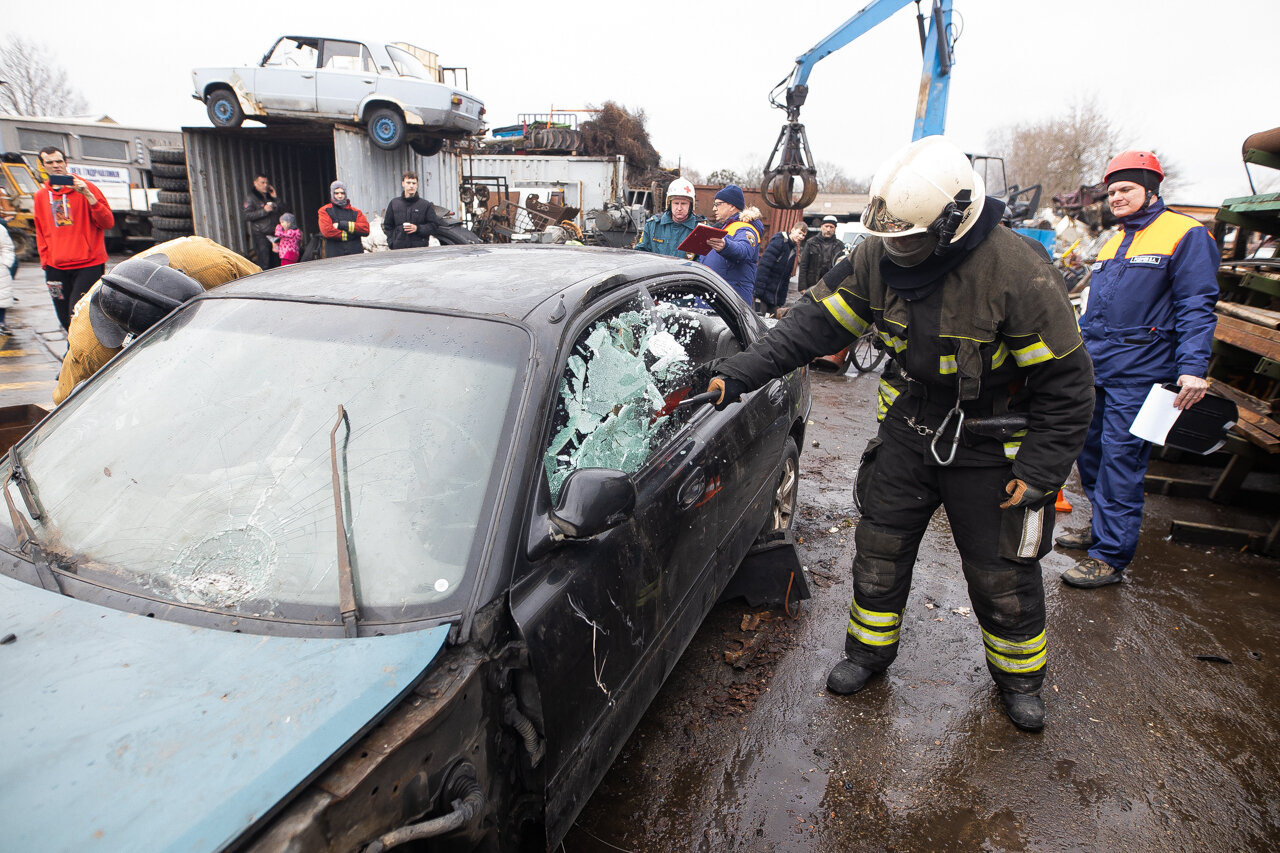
848 677
1024 709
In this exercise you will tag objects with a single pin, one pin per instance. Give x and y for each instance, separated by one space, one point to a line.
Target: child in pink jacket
288 240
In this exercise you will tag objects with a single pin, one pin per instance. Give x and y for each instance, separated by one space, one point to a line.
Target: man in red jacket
71 216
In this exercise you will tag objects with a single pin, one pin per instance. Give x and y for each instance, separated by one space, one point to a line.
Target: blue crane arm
873 14
931 109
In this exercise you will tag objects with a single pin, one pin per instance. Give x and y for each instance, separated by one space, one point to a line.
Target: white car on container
396 90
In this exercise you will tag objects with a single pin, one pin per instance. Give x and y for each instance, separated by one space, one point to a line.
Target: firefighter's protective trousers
901 496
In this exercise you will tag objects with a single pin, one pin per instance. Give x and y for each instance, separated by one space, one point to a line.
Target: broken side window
293 54
625 375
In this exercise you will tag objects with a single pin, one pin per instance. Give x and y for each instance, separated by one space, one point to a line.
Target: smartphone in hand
62 180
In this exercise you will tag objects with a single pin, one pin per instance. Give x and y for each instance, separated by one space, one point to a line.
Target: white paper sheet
1157 415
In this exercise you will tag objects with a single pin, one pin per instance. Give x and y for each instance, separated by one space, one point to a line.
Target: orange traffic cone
1062 504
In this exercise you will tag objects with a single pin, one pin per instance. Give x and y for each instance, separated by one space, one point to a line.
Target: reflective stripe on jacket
999 334
1150 312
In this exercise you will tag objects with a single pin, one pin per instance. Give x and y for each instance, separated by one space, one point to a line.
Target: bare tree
723 177
832 179
34 84
1062 154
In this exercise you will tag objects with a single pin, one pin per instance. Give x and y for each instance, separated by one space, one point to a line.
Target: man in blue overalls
1149 319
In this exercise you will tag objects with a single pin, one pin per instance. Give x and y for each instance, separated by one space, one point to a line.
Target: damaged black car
378 551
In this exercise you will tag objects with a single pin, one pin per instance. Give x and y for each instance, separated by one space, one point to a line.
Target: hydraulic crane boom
791 153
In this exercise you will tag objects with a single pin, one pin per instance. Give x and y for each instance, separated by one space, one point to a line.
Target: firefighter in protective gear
664 232
96 333
982 409
1149 320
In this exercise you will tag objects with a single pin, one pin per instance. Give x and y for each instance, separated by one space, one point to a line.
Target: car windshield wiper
341 510
27 542
19 475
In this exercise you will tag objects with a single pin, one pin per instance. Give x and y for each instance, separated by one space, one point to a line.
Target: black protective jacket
416 211
817 256
997 336
256 216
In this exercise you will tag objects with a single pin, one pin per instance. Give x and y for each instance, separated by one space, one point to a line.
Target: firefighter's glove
731 391
1023 494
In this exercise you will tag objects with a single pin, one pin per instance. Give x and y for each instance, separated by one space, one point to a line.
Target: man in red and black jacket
71 215
342 224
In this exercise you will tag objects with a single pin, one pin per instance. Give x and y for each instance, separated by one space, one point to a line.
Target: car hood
128 733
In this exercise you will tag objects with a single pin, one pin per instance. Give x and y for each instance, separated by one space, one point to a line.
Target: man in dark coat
410 220
773 274
819 255
260 210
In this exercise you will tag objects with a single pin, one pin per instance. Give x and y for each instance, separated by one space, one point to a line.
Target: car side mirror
592 500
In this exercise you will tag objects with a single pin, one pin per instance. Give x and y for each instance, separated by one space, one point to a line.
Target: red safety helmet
1133 160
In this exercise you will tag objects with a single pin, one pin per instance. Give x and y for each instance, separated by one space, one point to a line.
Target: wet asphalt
1163 699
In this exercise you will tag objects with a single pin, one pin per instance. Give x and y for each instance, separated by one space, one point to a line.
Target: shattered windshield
198 470
626 373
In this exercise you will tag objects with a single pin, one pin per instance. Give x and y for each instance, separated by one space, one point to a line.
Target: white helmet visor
877 219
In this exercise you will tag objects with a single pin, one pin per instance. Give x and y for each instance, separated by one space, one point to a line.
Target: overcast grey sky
1183 77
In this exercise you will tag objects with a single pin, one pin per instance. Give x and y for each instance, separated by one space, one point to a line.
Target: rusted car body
396 90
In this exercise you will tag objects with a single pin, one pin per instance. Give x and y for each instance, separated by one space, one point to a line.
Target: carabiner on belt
958 414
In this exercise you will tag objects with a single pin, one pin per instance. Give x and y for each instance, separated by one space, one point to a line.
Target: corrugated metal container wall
221 165
372 175
774 220
589 182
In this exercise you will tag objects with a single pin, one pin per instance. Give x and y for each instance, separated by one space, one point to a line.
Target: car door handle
368 82
307 76
691 490
777 393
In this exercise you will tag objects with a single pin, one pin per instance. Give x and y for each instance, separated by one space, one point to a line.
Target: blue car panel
195 733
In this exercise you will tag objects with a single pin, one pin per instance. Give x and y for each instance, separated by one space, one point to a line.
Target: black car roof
500 280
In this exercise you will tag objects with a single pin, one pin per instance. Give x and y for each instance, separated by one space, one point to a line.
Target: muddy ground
1163 693
1163 702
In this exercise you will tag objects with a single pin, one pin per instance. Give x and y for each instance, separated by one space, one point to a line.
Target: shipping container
302 159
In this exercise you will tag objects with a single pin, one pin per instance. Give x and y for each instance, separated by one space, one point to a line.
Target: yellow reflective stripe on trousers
874 628
1034 354
946 364
1032 653
844 314
998 357
1014 647
1016 664
873 617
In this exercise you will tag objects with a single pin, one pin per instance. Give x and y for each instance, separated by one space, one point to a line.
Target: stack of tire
171 214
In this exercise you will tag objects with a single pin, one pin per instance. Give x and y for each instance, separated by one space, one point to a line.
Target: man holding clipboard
1149 320
733 249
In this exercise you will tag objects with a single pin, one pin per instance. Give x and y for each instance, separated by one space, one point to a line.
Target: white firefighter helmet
916 188
680 187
